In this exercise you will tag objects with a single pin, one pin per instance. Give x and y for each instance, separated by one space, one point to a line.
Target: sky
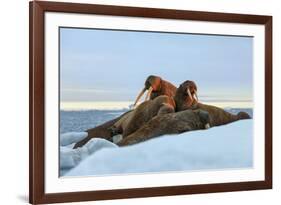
106 65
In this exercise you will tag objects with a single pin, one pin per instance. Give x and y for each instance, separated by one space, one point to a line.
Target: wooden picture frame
37 101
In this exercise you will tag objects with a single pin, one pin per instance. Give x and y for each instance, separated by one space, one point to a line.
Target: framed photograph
132 102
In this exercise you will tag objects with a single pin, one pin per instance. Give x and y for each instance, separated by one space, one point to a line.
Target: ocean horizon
124 105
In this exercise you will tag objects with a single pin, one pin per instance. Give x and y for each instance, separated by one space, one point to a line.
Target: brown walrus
142 114
155 87
171 123
145 112
184 119
134 123
185 99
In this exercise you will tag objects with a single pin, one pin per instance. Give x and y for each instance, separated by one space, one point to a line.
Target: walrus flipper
101 131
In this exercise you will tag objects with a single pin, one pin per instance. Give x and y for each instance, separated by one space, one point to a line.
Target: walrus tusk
139 96
195 95
189 94
149 93
207 126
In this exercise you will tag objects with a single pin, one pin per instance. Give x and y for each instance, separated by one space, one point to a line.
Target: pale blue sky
106 65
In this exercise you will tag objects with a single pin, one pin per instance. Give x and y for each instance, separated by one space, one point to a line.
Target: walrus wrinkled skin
155 87
142 114
185 99
171 123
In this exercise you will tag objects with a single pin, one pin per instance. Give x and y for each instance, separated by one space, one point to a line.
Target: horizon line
121 105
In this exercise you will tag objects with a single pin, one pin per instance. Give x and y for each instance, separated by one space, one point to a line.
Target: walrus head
186 95
152 83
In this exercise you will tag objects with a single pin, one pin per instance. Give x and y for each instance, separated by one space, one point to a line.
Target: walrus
185 98
155 87
170 123
159 105
186 106
142 114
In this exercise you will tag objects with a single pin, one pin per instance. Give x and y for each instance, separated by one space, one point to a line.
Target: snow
70 158
223 147
71 137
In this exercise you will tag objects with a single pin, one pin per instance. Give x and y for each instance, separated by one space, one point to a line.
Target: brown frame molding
36 101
